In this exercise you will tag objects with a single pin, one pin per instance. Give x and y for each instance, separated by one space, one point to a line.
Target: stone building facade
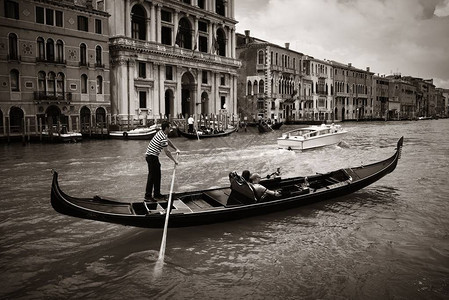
354 98
54 65
171 59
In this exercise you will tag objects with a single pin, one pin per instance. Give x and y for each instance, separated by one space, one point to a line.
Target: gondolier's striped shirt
157 143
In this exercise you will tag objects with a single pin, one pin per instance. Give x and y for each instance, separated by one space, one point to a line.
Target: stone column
226 9
178 94
195 33
158 22
132 90
212 35
176 25
161 83
233 43
127 18
156 92
152 36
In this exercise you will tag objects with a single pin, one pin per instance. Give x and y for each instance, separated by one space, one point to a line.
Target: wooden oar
167 215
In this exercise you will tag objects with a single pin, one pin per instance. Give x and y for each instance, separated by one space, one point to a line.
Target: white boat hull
293 143
311 137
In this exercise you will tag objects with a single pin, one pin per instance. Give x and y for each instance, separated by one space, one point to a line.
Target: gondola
277 125
223 204
203 134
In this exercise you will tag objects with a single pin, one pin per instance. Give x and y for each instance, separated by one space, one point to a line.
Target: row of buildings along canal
90 64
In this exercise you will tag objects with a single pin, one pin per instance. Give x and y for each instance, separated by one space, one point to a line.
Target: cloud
407 36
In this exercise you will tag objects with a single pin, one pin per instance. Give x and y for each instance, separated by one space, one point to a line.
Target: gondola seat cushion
242 187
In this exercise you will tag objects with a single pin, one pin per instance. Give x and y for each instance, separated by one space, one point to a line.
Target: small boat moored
311 137
227 203
63 136
141 133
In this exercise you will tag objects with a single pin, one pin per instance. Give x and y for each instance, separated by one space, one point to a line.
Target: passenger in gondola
246 175
262 193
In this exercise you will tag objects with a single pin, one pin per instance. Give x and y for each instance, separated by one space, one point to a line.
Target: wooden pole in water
167 215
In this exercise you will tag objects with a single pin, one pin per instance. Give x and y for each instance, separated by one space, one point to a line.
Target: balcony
99 65
52 97
84 64
170 51
13 57
57 61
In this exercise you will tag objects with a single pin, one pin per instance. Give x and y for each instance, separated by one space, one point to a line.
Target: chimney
247 33
287 46
349 64
367 69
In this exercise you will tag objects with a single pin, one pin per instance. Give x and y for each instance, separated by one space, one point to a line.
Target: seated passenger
262 193
246 174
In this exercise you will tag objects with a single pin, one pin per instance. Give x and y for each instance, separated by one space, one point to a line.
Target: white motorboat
311 137
143 133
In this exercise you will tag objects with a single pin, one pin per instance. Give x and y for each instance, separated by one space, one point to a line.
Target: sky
410 37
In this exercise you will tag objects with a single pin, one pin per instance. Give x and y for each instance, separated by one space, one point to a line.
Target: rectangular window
11 9
169 72
166 38
202 26
166 16
222 79
59 19
142 99
202 43
142 70
83 24
223 102
98 26
204 79
49 16
40 15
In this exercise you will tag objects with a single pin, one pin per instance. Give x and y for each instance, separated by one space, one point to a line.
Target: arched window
261 87
40 49
60 85
260 57
255 87
184 35
98 56
14 77
41 83
138 23
60 51
51 86
99 84
50 50
13 53
83 55
83 84
249 88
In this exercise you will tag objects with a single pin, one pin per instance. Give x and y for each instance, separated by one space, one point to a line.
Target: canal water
387 241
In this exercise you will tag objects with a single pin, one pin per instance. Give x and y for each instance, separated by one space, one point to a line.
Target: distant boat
236 201
207 133
142 133
425 118
62 136
276 125
311 137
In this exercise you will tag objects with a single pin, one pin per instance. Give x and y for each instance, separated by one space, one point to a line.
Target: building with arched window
54 62
172 58
270 80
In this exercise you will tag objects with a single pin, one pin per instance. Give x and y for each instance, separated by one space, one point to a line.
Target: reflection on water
388 240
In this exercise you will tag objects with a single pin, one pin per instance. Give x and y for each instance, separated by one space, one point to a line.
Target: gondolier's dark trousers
154 176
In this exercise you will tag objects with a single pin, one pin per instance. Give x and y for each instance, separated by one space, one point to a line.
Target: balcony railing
53 97
56 61
171 50
13 57
84 64
99 65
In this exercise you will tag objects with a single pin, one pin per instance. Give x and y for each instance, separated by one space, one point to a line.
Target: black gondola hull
128 213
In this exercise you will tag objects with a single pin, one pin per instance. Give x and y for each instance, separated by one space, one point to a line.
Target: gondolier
158 143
